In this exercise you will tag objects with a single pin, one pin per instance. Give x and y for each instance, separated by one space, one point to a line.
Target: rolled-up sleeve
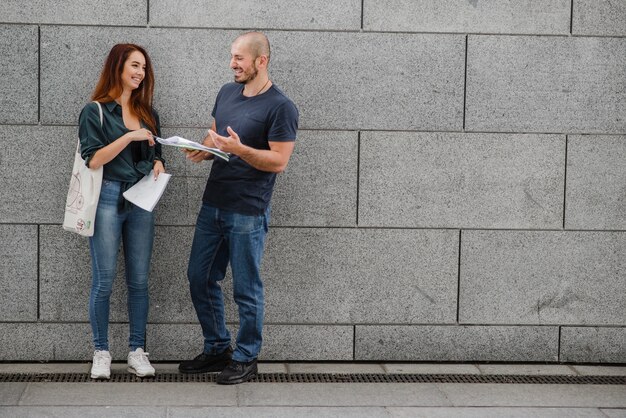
90 132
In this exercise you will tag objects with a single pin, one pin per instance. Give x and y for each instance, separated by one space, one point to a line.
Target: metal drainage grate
322 378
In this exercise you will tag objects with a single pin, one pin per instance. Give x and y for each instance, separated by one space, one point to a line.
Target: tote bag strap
101 121
100 109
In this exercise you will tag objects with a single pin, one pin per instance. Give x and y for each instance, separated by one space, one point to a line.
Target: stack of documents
147 192
177 141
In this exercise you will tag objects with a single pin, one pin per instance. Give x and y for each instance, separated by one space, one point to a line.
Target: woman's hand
158 168
141 135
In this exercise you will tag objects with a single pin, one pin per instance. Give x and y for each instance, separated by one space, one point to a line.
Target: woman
124 145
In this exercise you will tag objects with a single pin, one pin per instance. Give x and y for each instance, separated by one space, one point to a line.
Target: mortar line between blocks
39 74
38 273
363 12
353 342
358 171
458 283
465 81
565 180
571 18
558 349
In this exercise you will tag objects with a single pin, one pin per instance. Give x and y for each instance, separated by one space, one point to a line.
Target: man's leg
207 266
246 239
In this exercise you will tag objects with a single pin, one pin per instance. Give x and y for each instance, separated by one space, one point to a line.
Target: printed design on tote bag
75 199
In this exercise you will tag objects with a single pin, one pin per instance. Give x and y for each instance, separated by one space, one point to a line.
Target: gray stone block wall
456 192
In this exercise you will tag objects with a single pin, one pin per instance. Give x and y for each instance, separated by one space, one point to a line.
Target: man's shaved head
257 42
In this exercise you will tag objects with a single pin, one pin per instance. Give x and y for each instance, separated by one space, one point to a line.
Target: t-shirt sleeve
284 123
217 99
90 132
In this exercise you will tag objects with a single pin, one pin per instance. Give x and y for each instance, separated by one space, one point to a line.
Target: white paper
177 141
147 192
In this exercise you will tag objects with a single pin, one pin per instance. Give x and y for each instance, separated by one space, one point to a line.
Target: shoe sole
237 381
136 373
214 368
100 376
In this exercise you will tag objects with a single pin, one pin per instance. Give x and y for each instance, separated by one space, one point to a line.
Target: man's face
242 62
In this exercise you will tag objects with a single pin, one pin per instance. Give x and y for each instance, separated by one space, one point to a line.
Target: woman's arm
109 152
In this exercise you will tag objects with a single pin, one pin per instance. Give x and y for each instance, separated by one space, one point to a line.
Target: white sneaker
101 366
139 364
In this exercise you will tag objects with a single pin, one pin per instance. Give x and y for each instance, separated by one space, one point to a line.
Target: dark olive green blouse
130 165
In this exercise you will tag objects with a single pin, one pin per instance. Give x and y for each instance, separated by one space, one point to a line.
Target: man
256 123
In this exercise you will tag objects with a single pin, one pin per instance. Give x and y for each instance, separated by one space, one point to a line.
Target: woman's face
134 71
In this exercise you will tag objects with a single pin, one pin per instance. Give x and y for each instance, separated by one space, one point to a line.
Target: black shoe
237 372
204 363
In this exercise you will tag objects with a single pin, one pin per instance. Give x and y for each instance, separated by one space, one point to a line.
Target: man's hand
230 144
197 156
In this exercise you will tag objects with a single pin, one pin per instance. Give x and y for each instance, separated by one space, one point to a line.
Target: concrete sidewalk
152 399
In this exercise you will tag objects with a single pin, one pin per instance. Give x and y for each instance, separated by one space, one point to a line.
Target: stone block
195 188
599 18
431 368
595 182
319 187
173 206
149 395
593 344
382 90
76 12
280 342
170 300
542 277
65 278
540 397
351 275
279 411
174 342
80 411
527 369
183 95
57 341
457 180
18 272
600 370
546 84
19 81
376 81
307 342
10 394
492 16
33 190
456 343
341 394
272 14
336 368
70 67
614 413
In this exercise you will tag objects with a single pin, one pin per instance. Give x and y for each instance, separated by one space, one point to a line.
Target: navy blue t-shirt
236 185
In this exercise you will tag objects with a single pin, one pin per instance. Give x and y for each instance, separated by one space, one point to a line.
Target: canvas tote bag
83 195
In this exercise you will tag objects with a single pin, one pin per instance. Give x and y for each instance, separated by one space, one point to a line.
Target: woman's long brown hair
110 87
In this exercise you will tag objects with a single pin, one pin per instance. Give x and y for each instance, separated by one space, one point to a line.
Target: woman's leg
104 247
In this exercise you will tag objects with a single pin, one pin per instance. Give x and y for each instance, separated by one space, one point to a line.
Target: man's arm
274 160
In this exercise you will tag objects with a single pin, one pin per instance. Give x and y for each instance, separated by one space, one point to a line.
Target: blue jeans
221 237
135 227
